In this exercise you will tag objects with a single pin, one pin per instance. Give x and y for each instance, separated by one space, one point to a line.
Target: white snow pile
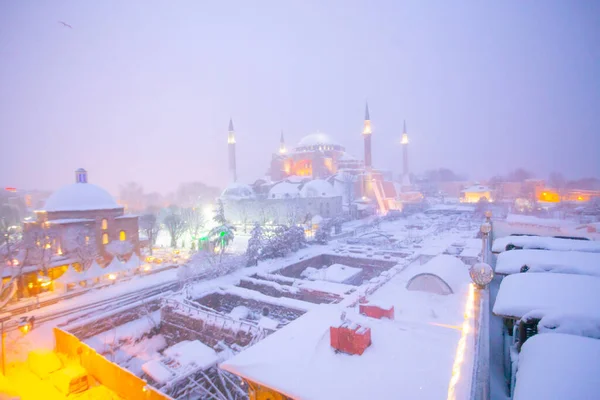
80 197
334 273
520 294
570 323
130 331
334 288
545 243
239 312
558 367
299 362
180 360
449 268
567 262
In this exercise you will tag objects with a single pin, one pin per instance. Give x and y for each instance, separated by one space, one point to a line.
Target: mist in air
143 91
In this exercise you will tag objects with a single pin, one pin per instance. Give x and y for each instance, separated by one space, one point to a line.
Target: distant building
316 177
475 193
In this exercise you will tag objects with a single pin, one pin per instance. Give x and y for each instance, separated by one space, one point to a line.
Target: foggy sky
143 91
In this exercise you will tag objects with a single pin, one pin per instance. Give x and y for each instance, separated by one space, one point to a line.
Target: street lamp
481 274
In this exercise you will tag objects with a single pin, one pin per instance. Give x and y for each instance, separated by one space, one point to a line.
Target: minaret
282 149
231 145
367 137
404 142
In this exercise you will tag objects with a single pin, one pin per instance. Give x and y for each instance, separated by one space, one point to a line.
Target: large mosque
317 177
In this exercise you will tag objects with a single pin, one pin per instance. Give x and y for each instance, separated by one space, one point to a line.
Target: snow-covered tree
150 226
255 245
294 237
194 220
323 233
40 247
80 241
132 195
175 224
223 233
119 248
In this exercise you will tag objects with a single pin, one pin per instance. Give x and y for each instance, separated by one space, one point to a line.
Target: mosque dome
238 191
284 190
317 141
80 196
317 188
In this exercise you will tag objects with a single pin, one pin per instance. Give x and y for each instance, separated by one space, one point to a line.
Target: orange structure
350 338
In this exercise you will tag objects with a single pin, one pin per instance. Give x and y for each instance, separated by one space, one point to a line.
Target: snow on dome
80 197
238 191
317 188
284 190
315 139
442 269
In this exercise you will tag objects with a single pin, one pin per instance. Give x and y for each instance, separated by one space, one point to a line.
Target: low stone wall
311 297
98 326
371 267
224 303
177 327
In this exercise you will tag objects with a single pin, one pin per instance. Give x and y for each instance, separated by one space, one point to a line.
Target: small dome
80 197
238 191
284 190
317 188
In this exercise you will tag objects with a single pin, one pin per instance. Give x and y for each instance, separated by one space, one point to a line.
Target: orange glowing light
462 343
112 277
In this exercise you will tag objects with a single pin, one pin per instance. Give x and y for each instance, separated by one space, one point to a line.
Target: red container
350 338
374 311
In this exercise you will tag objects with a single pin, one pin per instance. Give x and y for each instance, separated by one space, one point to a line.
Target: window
105 238
104 224
122 236
87 240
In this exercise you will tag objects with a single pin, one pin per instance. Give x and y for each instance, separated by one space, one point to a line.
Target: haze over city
143 91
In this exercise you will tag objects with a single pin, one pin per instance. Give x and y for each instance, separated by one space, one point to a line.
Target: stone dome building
77 223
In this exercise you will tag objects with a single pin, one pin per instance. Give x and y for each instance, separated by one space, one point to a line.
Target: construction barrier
114 377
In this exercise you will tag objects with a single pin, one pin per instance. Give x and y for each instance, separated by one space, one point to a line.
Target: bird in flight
65 24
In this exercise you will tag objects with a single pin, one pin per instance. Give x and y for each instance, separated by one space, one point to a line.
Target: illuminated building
475 193
76 214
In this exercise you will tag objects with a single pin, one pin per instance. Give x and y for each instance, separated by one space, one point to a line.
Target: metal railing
480 382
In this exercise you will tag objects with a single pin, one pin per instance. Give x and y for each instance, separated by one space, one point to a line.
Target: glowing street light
112 277
481 274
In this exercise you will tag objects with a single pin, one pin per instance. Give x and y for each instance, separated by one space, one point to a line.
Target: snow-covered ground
420 317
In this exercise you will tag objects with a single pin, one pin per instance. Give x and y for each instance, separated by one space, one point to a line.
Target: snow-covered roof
317 188
192 351
547 243
238 191
80 197
316 139
71 276
299 362
347 157
558 366
183 358
568 262
449 268
522 293
66 221
95 271
284 190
